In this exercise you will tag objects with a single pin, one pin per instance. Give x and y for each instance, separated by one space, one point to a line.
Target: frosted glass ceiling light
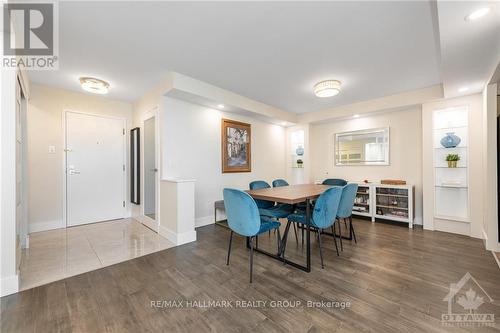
477 14
94 85
327 88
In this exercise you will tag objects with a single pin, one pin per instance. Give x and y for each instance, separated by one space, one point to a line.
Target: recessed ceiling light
327 88
463 89
221 106
477 14
284 123
356 116
94 85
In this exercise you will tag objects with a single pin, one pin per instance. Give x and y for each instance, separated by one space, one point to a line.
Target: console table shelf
388 202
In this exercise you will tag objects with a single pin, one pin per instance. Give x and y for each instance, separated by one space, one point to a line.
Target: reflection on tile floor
57 254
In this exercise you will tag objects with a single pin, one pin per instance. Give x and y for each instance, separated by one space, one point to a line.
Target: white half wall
45 128
191 149
405 150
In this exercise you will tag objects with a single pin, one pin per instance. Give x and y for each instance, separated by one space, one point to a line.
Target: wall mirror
364 147
135 192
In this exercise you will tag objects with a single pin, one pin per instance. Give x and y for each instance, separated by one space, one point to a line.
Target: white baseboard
178 239
44 226
9 285
186 237
203 221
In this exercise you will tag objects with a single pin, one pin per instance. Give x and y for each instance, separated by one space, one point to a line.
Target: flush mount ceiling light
94 85
463 89
221 106
327 88
477 14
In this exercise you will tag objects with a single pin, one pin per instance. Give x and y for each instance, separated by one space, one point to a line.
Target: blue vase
299 151
450 140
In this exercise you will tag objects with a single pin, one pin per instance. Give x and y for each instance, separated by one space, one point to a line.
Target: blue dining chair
323 216
280 182
268 208
334 182
243 218
286 207
345 209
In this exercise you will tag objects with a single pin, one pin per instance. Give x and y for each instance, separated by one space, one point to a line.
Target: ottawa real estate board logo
30 35
464 300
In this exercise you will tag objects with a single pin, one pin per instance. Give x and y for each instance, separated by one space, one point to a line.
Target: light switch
52 149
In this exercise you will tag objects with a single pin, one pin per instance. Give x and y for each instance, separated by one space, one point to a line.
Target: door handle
73 172
154 170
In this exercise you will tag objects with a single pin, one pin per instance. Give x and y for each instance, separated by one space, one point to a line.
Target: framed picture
236 146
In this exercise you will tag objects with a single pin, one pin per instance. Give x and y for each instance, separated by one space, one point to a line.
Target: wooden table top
289 194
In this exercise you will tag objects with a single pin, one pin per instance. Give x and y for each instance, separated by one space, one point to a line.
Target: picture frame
236 146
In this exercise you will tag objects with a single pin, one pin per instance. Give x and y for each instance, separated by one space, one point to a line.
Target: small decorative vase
450 140
299 163
299 151
452 164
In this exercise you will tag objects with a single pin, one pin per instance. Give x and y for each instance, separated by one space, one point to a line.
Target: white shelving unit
451 188
388 202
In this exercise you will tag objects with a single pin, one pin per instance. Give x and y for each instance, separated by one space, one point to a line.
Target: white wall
489 167
45 128
191 148
475 167
9 276
405 150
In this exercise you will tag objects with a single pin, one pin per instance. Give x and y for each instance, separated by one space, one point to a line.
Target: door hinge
123 203
124 131
124 167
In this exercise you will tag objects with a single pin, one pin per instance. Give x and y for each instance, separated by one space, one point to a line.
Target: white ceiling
275 52
270 52
470 50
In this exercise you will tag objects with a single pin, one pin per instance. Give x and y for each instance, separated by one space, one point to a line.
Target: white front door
95 168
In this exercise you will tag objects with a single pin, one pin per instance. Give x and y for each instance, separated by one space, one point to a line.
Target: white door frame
146 220
124 192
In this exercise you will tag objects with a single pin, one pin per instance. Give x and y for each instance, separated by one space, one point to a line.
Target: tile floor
61 253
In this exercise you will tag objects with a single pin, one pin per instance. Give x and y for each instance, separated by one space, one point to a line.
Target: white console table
388 202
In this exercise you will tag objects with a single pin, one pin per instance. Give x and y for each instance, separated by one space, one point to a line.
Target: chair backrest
256 185
280 182
326 207
347 200
335 182
242 212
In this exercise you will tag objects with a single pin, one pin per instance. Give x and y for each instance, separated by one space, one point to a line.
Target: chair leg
279 240
320 250
251 259
257 241
352 229
283 242
303 230
340 237
335 239
229 250
295 230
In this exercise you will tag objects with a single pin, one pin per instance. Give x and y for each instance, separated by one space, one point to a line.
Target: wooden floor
395 280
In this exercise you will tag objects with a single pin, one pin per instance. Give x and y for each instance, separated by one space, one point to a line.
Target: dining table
292 194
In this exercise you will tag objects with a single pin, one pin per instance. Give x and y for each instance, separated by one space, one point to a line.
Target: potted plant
452 160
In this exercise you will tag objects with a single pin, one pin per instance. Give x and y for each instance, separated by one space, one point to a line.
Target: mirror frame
365 131
135 159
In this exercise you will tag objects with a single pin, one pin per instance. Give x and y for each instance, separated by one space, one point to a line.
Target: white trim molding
177 239
46 225
9 285
203 221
